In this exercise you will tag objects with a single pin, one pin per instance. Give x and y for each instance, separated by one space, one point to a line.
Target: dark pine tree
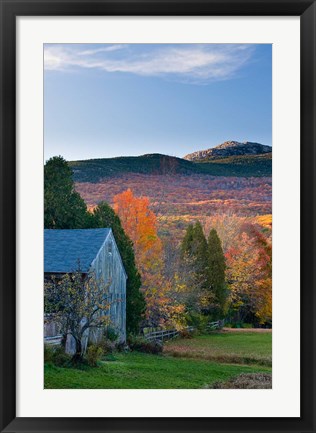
63 206
200 251
217 268
194 249
186 245
104 216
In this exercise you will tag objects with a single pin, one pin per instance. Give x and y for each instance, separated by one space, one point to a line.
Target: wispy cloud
106 49
195 62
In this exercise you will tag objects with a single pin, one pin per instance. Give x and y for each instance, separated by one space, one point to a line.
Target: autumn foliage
140 224
155 211
249 273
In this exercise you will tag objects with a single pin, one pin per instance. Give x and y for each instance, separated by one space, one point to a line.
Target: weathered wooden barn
96 251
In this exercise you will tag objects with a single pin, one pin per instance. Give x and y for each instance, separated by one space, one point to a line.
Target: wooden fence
161 335
166 334
53 341
212 326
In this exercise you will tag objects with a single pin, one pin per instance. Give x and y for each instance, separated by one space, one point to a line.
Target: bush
107 346
140 344
238 325
184 333
111 334
247 325
198 321
48 354
59 357
229 325
122 347
94 354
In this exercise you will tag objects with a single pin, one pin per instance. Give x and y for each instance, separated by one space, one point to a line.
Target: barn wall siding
108 269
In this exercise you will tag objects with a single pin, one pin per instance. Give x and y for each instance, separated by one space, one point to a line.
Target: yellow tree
249 273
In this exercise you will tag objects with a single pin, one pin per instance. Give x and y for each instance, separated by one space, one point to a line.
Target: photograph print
157 216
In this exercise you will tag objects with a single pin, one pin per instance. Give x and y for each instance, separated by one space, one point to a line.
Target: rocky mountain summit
227 149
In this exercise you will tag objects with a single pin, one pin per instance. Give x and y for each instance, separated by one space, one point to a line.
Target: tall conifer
186 245
63 206
194 248
217 268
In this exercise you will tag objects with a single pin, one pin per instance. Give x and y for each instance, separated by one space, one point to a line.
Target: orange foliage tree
140 224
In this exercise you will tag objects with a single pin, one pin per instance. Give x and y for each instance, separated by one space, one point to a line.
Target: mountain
233 164
92 170
228 149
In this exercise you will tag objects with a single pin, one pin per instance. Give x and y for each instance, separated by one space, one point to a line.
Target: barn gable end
92 250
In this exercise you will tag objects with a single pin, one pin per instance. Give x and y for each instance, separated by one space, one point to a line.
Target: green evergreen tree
194 249
104 216
217 268
200 251
186 245
63 206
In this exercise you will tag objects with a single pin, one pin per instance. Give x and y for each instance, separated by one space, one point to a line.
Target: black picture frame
10 9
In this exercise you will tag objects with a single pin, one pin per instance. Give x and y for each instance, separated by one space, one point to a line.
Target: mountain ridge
228 149
94 170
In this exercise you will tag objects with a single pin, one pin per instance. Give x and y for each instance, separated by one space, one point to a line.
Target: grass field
230 347
190 367
143 371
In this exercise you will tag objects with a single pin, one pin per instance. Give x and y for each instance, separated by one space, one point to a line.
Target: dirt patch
246 381
225 359
259 330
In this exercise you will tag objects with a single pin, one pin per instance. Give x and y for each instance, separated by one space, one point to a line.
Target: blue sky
106 100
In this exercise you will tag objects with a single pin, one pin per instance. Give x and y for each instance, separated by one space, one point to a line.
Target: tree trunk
78 355
63 341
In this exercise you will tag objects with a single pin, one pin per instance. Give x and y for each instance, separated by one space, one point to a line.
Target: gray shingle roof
63 248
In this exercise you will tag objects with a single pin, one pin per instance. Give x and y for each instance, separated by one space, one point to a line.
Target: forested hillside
202 242
180 199
94 170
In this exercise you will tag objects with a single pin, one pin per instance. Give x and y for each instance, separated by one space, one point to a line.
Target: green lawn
141 371
231 347
186 364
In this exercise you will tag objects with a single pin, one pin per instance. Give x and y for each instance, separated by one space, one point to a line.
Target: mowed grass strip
227 347
142 371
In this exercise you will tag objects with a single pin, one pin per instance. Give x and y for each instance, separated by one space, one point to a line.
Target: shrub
247 325
60 358
48 353
140 344
229 325
107 346
184 333
94 354
122 347
198 321
233 325
111 334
